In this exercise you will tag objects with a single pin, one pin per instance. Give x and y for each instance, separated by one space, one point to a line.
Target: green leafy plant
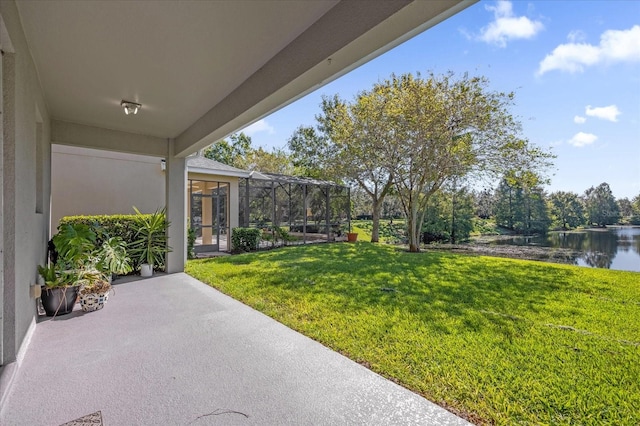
112 257
55 277
150 245
282 235
191 242
80 262
74 244
245 239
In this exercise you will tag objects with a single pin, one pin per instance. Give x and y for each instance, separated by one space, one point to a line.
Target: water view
611 248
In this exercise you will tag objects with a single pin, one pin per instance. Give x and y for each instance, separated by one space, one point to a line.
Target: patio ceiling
203 69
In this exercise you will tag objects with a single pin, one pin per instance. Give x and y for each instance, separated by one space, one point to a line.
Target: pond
611 248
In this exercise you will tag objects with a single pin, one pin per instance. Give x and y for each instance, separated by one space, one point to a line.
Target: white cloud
259 126
581 139
506 26
615 46
579 120
610 112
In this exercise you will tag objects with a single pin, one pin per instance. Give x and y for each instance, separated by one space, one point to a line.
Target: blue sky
574 66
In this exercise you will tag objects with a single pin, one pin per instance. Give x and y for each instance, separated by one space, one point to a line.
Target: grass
388 233
498 341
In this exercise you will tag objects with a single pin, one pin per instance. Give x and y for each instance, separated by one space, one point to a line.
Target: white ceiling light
130 107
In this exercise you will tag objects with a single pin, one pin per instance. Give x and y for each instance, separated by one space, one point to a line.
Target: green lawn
495 340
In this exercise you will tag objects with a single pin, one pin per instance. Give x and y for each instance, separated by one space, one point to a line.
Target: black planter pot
59 301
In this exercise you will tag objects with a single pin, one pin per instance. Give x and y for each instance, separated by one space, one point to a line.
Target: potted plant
94 294
59 292
81 267
73 245
352 237
150 247
109 260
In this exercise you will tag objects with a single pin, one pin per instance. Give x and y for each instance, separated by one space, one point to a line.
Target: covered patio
198 71
170 350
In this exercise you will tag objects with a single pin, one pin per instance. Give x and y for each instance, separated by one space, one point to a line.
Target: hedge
120 225
124 226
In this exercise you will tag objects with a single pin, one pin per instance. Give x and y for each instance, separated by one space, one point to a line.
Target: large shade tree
410 135
445 128
359 132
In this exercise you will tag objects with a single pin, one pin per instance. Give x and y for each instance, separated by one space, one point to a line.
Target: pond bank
482 248
483 245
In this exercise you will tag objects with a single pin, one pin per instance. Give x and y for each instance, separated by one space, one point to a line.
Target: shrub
191 242
124 226
245 239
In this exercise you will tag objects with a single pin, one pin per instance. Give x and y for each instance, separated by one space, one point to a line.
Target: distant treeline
453 213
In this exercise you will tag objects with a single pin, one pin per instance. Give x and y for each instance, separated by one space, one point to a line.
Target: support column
327 214
10 339
208 210
176 186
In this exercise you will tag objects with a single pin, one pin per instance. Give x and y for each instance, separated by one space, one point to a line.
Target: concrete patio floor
170 350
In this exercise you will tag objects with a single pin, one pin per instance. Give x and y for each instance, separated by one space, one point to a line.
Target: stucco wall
124 180
25 182
89 181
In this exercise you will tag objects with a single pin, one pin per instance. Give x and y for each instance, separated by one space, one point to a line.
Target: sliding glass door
209 215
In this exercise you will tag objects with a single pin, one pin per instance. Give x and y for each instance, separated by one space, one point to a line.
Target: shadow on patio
170 350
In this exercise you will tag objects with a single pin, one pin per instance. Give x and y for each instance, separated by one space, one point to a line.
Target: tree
277 161
436 225
231 152
625 207
566 209
358 132
391 207
600 205
483 203
635 204
444 129
460 212
521 203
448 216
508 205
310 153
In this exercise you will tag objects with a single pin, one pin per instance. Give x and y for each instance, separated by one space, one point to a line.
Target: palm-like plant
151 246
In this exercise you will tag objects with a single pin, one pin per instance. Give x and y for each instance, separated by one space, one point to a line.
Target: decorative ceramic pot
93 301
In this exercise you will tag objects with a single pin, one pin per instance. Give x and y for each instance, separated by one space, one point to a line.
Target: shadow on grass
429 285
497 340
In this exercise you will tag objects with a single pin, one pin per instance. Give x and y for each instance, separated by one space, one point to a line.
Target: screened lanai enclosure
293 210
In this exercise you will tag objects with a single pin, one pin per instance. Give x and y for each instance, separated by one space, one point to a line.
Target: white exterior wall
93 182
25 187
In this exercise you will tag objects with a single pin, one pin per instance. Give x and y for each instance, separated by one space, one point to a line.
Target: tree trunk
375 231
413 230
